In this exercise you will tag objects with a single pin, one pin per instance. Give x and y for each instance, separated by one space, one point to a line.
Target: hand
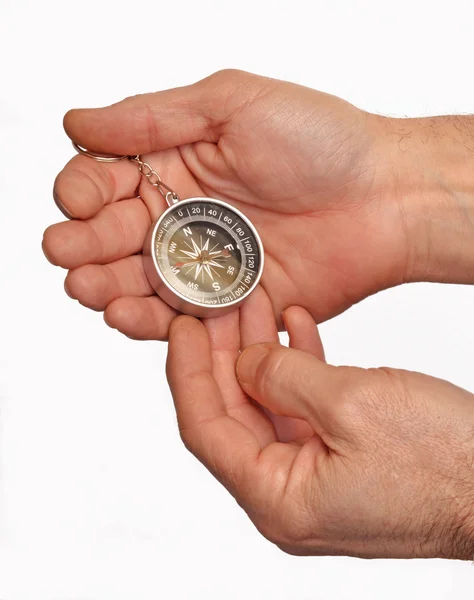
339 196
370 463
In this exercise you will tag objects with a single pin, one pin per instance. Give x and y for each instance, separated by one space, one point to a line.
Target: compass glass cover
207 252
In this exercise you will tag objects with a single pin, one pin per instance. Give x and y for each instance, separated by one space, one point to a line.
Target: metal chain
155 180
145 169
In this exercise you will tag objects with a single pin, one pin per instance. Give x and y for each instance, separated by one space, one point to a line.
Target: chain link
155 180
145 169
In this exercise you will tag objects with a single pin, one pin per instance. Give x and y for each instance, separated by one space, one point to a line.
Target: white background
98 498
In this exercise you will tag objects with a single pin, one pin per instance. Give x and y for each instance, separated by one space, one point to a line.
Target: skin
335 193
368 463
347 203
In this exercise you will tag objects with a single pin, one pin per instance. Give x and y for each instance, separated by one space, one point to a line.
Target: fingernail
249 362
61 206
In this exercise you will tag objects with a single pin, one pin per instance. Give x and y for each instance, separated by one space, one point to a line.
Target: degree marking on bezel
239 243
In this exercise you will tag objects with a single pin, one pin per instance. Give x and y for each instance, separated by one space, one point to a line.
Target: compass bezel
171 295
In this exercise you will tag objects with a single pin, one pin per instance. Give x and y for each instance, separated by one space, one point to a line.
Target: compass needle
198 270
190 254
208 271
196 248
215 264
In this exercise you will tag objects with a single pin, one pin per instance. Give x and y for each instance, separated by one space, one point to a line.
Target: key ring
108 158
145 169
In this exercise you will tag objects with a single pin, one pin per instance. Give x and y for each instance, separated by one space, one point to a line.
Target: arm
429 169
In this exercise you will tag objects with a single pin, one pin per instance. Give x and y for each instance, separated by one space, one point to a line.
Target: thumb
296 384
161 120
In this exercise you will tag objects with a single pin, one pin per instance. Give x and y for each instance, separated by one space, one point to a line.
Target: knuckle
351 391
367 399
285 532
387 390
228 74
355 400
284 523
269 371
294 551
388 375
187 438
272 526
230 88
103 177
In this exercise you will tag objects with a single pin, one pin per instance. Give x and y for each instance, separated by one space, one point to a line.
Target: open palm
302 165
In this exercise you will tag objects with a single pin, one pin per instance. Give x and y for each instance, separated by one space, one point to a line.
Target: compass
203 257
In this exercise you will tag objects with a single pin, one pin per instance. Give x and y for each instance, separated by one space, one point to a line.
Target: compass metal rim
172 296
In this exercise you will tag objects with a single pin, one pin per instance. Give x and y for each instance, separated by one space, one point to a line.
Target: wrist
464 547
459 536
429 172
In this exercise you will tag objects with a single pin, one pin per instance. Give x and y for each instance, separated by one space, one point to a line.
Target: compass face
207 252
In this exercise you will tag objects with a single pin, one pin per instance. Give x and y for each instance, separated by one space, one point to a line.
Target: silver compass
202 256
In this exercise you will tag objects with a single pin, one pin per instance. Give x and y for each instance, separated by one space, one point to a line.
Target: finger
140 318
295 384
258 326
304 336
166 119
303 331
84 186
257 320
224 339
118 230
222 443
190 365
95 286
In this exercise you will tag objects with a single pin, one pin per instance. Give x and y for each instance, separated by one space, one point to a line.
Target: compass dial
206 253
